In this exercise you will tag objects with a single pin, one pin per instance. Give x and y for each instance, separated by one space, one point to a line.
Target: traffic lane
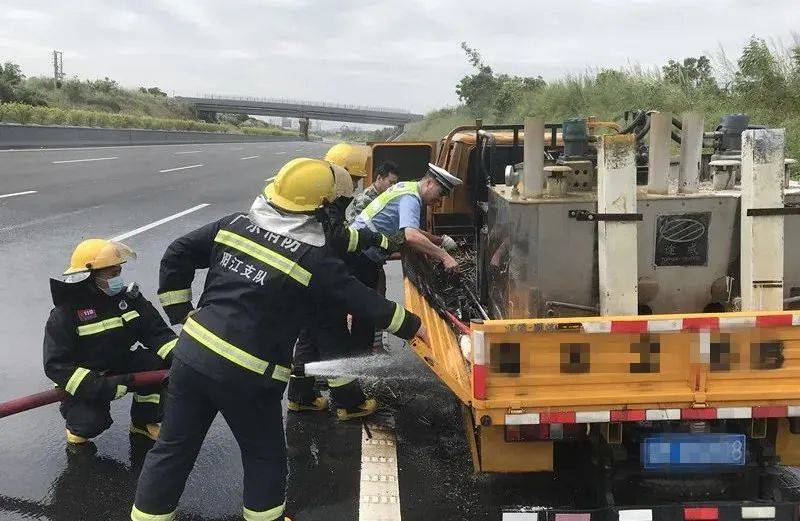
76 186
17 166
39 248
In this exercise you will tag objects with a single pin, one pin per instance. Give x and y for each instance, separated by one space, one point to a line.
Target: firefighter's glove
396 242
117 387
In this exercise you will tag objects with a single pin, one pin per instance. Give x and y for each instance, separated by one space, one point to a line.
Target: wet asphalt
40 480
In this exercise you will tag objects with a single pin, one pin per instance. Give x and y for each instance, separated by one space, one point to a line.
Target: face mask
115 286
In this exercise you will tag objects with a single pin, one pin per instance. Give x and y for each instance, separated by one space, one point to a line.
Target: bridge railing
302 102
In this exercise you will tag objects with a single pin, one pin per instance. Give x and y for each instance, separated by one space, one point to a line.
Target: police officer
88 339
399 210
233 355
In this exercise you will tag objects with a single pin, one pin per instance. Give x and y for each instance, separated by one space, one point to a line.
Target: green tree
10 79
476 90
484 91
692 73
760 79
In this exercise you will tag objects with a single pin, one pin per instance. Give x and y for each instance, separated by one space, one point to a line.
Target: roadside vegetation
357 135
763 82
104 103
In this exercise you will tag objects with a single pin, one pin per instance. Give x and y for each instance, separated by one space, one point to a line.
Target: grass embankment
104 103
29 114
764 83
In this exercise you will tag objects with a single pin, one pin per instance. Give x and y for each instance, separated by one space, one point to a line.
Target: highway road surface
147 196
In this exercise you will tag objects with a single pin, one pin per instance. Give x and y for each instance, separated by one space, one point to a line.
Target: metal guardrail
302 102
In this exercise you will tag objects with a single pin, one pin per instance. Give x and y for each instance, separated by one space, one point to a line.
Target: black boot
302 395
349 399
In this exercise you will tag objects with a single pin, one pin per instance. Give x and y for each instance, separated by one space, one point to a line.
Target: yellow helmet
352 158
96 254
302 185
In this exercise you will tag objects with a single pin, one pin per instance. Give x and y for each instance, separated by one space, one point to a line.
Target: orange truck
627 316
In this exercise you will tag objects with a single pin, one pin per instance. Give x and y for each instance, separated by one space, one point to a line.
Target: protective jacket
90 333
258 292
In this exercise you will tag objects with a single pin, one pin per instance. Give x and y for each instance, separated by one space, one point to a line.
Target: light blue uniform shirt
398 214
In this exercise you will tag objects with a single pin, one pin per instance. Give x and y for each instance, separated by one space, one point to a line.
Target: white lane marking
159 222
298 149
18 193
267 180
279 153
248 157
188 152
379 494
83 160
178 168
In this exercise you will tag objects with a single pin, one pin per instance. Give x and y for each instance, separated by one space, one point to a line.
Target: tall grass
764 83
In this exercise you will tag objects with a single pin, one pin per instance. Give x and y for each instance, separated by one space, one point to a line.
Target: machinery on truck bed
624 308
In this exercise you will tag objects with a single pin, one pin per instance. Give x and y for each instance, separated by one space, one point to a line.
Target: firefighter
399 210
265 268
327 334
88 339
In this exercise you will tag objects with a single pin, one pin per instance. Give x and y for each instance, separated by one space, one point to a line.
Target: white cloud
24 15
370 52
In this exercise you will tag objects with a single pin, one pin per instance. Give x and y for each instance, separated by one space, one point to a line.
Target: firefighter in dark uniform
88 339
327 335
265 268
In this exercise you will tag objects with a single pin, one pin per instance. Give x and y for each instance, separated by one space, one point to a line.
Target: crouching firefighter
88 339
265 268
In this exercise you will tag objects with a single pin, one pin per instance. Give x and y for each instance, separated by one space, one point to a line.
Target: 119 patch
86 314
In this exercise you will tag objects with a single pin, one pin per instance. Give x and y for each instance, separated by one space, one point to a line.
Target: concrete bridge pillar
208 116
304 127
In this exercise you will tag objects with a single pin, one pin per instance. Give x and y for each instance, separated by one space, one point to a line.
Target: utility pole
58 68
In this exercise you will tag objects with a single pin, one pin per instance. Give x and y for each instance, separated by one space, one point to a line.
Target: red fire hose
26 403
456 322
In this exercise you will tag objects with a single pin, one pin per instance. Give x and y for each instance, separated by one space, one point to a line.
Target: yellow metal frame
683 379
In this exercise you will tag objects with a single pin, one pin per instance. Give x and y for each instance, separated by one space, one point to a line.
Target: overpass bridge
208 106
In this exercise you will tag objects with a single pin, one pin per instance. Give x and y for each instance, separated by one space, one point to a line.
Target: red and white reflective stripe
573 516
480 355
758 512
529 418
644 514
658 326
592 416
662 414
734 413
701 513
690 324
596 327
638 415
737 322
775 411
480 367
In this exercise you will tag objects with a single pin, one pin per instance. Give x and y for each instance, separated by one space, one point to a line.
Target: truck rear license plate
677 451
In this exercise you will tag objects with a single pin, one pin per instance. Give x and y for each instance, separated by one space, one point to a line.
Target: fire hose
32 401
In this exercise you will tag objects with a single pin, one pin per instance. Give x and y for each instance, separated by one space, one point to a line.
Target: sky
403 54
